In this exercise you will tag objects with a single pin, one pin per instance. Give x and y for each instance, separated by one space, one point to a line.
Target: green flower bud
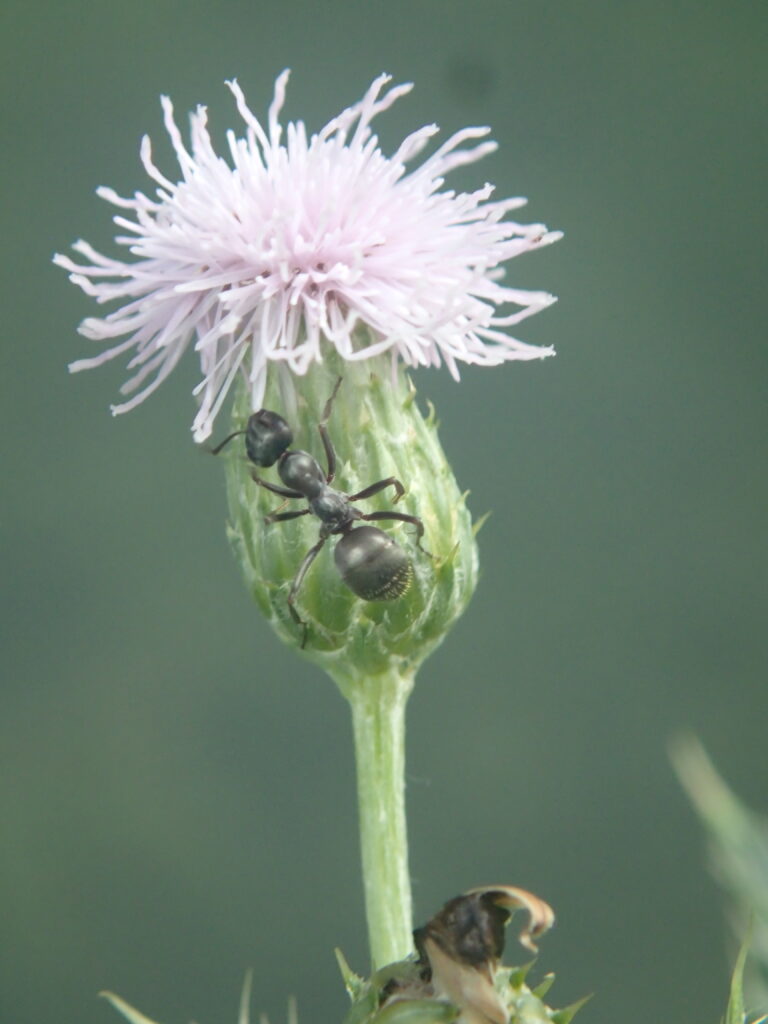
378 432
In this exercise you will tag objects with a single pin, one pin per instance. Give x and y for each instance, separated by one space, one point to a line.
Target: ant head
267 436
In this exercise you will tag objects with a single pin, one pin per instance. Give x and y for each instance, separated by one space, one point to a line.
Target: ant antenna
217 449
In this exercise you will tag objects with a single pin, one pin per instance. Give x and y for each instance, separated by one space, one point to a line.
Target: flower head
295 243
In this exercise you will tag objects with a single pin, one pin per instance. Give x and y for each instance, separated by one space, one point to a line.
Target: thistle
298 247
299 261
456 974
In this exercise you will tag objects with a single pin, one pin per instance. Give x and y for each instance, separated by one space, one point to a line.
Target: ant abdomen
373 565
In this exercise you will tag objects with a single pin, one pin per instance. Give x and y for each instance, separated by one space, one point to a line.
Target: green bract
522 1003
378 431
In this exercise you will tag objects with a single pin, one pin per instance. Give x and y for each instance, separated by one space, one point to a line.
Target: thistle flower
303 242
313 259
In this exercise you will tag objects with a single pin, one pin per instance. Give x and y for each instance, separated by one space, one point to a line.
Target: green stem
378 719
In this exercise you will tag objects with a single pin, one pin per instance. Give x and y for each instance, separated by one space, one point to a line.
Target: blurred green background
176 793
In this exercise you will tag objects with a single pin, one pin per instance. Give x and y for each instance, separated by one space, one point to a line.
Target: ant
369 562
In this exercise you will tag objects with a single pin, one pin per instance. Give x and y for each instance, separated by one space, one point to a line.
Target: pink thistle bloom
296 243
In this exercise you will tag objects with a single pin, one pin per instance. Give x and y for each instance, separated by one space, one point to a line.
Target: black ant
371 564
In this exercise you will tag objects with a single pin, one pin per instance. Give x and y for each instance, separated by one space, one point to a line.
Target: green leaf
480 523
736 1013
567 1013
354 984
739 854
129 1012
517 975
544 986
244 1013
363 1008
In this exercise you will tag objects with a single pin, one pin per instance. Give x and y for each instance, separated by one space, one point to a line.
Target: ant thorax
333 509
301 471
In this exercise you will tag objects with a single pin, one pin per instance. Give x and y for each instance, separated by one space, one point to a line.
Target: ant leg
298 579
279 508
330 454
403 518
372 489
282 491
282 517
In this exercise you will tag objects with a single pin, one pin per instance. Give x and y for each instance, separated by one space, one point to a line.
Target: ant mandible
369 562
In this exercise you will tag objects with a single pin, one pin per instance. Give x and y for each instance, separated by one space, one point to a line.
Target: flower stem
378 719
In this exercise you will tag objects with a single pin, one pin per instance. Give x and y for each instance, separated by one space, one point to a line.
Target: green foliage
526 1005
131 1014
398 995
735 1013
738 847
